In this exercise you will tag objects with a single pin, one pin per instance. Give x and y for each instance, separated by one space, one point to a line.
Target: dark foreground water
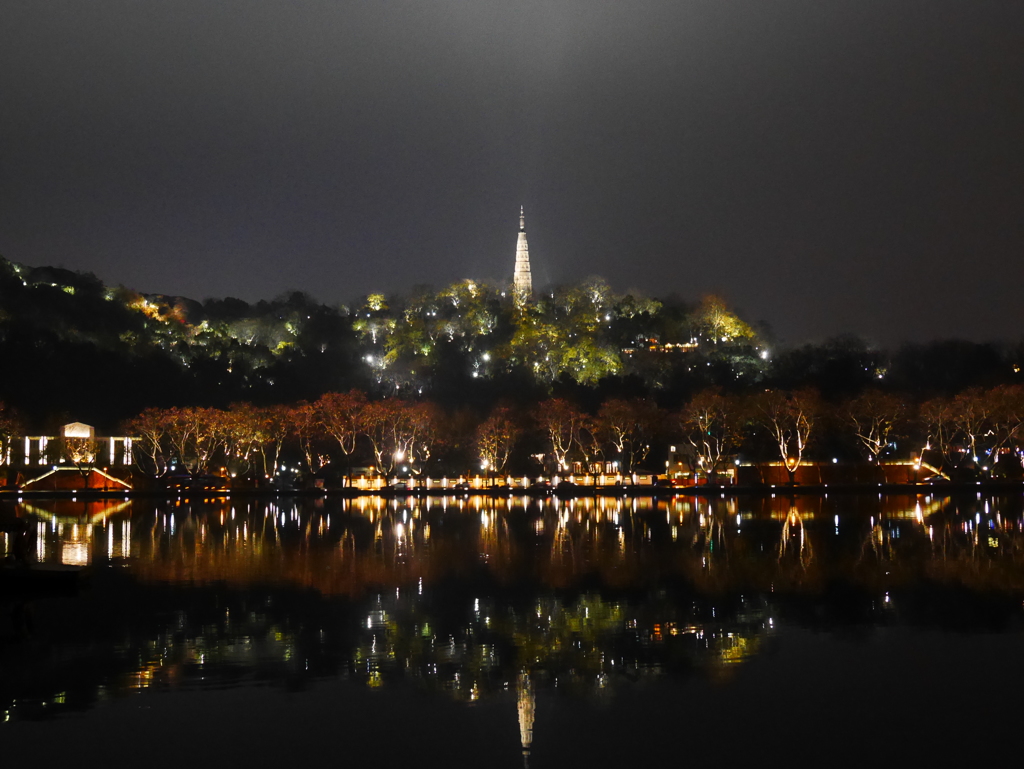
824 631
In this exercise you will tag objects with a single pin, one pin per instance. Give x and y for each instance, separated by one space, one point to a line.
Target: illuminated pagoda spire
522 282
527 707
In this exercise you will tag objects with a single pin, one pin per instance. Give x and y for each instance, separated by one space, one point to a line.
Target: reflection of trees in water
714 544
978 544
793 541
566 592
709 532
406 629
586 645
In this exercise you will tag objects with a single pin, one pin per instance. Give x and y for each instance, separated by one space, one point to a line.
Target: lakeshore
536 491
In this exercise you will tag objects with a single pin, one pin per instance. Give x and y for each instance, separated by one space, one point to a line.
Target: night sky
827 167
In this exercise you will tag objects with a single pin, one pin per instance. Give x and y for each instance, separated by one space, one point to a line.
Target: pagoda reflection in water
477 598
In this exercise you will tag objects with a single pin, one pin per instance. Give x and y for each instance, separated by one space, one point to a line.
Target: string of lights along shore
522 280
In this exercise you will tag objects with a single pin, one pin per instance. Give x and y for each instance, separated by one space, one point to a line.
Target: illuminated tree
1006 422
468 309
587 361
240 433
373 321
977 425
275 428
629 426
375 329
149 447
961 427
591 441
712 426
938 415
194 436
308 429
560 422
566 334
376 303
249 433
790 419
10 429
495 439
532 343
81 452
875 417
717 323
340 415
399 432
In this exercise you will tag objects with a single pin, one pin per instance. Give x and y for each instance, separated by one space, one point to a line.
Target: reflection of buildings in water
348 547
715 544
70 532
410 634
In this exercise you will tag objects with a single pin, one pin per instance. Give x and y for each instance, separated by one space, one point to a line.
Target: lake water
480 632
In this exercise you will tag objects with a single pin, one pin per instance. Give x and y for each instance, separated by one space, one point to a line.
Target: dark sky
826 166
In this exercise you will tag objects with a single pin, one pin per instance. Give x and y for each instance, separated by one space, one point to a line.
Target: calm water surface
478 632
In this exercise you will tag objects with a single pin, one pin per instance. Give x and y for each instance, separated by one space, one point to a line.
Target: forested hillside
74 348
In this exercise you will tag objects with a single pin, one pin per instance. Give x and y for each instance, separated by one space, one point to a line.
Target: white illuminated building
522 281
77 444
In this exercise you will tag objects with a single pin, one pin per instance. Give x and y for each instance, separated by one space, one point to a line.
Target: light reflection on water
479 598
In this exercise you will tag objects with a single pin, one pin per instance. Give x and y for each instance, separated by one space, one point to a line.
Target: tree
567 333
938 417
790 419
590 439
10 429
712 425
241 436
308 430
588 361
398 431
340 416
425 419
495 439
80 451
1006 422
194 436
875 417
629 426
276 428
560 422
150 431
717 323
978 424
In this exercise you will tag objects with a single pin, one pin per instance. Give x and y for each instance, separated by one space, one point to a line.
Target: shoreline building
522 281
77 459
77 444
